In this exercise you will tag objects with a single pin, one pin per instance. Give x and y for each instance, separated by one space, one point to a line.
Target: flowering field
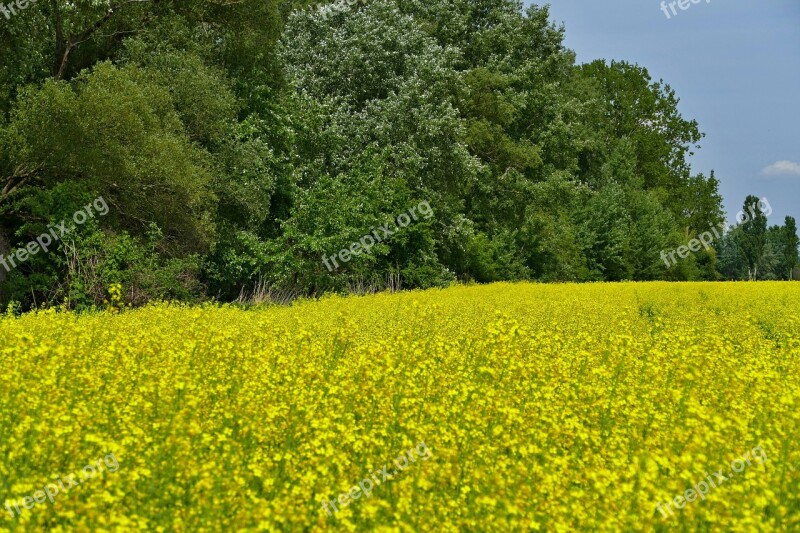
503 407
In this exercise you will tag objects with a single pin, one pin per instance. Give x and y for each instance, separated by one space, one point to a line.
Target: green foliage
759 252
752 239
119 135
789 248
88 261
238 144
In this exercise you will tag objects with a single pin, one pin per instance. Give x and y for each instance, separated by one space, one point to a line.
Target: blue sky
735 65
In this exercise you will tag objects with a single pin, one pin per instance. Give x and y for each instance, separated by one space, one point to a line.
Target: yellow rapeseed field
521 407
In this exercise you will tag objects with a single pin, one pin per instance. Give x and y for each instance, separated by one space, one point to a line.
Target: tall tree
791 243
752 239
702 204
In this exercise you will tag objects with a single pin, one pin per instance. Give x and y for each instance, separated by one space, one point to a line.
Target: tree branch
16 180
63 52
58 22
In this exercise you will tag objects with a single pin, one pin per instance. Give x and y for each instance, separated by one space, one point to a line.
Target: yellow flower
511 407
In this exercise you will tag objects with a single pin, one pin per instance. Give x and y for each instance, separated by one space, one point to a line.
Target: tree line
239 144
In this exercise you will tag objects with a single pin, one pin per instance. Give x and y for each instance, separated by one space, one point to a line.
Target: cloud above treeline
782 168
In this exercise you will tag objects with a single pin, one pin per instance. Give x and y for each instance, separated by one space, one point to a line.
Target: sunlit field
494 408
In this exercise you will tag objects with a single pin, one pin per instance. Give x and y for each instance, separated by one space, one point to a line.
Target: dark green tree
789 250
752 239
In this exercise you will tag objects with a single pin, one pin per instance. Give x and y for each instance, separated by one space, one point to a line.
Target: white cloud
782 168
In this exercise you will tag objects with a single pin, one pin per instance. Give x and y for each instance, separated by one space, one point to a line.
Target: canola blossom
542 407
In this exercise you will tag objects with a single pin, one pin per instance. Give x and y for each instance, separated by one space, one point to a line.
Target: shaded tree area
752 250
239 143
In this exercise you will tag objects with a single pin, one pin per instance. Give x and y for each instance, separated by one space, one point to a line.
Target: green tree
732 262
645 112
752 239
114 132
789 250
382 94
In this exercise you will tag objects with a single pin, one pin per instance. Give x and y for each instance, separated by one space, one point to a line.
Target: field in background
548 407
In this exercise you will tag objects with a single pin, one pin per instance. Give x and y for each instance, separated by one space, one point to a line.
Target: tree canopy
239 143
